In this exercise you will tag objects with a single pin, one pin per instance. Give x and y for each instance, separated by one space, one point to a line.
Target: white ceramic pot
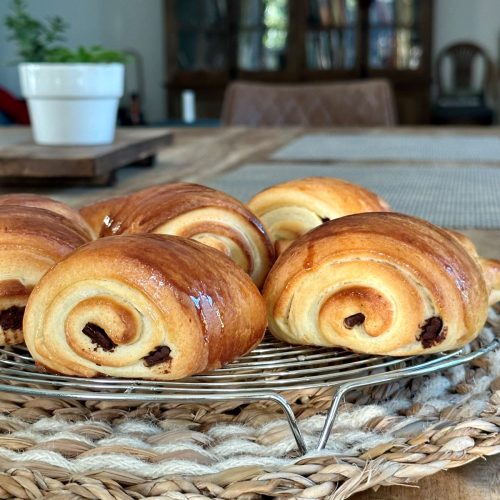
72 104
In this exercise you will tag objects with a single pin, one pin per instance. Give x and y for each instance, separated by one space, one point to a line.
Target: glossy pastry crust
99 215
37 201
31 241
192 211
293 208
143 306
490 267
381 283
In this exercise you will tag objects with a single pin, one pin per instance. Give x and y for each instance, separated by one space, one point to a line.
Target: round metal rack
267 373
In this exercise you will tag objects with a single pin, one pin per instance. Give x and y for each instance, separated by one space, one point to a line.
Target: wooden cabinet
211 42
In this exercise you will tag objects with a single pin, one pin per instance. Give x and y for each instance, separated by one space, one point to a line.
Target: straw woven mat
393 434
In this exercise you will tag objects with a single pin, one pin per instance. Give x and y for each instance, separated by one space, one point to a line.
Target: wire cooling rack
265 374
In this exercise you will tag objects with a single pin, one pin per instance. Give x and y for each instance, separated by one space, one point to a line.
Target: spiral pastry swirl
191 211
31 241
293 208
380 283
143 306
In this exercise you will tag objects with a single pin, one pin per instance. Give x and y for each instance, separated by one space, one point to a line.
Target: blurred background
440 57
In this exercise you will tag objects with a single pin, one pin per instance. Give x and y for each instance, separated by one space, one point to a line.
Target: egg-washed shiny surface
490 267
417 288
143 306
293 208
192 211
31 241
37 201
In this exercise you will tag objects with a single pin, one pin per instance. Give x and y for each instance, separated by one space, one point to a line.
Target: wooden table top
199 154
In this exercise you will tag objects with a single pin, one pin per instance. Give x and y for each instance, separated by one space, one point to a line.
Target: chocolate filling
432 332
354 320
12 318
157 356
98 336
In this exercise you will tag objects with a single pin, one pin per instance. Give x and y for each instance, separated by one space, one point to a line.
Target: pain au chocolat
191 211
291 209
37 201
378 283
490 267
32 239
143 306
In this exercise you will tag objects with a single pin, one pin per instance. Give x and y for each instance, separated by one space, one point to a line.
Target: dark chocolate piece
354 320
157 356
98 336
12 318
324 219
432 332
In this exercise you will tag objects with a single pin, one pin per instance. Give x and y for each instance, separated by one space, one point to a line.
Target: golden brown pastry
37 201
490 267
293 208
98 215
380 283
143 306
31 241
192 211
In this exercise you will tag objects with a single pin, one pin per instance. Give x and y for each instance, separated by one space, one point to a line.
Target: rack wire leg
330 416
292 421
385 378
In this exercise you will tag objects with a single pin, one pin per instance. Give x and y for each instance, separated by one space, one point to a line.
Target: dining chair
363 103
464 73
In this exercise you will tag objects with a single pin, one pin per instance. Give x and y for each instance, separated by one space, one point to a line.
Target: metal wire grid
269 370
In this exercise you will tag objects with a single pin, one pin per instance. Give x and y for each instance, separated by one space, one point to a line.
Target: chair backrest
462 56
364 103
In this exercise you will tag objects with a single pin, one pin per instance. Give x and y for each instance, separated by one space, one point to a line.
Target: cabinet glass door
202 34
331 35
395 40
262 33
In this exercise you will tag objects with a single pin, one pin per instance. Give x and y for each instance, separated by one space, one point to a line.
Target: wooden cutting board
27 161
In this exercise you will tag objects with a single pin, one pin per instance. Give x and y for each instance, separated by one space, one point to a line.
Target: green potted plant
72 95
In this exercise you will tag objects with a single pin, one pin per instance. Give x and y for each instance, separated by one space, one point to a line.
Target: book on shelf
381 12
249 50
336 48
331 49
405 12
251 13
403 46
325 13
313 15
325 50
350 48
339 12
330 13
381 48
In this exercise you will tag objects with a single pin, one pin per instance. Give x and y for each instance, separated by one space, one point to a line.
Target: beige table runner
459 197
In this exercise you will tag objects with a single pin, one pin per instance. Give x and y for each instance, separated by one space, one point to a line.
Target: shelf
333 27
395 26
261 28
299 41
201 31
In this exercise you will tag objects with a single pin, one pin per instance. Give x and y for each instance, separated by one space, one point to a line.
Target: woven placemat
392 434
458 197
380 146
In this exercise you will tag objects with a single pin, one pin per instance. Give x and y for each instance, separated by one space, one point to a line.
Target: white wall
477 21
117 24
473 20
